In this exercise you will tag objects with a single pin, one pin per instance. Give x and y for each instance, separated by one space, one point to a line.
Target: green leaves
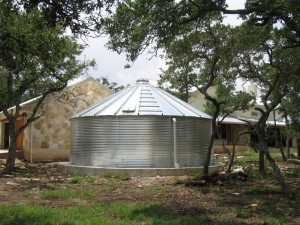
34 58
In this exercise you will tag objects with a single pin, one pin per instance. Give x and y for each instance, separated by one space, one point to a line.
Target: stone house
48 138
239 120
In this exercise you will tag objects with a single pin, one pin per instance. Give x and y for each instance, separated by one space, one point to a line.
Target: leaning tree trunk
277 174
211 140
281 149
209 151
230 163
261 154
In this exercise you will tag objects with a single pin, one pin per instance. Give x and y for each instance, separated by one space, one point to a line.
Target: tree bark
11 157
288 150
261 161
277 174
298 148
230 163
281 149
211 140
209 151
260 132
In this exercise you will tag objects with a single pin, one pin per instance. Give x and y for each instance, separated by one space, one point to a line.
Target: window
254 114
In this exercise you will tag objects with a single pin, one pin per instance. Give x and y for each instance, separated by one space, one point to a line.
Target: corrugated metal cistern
134 128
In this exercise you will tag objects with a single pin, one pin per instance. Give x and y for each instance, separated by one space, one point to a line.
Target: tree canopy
136 26
35 60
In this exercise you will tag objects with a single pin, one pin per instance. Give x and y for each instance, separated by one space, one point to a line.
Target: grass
105 214
156 188
116 176
245 161
262 191
67 194
111 187
26 193
90 179
76 179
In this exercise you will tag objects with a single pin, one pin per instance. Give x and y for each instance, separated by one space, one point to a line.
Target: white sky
111 64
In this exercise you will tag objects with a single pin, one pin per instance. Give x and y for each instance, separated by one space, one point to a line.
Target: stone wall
48 138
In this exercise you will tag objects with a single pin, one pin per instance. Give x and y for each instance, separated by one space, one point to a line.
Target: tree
176 82
115 87
275 69
32 64
202 60
82 17
138 25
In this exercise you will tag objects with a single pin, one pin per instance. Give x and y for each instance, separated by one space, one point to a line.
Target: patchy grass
76 179
262 191
156 188
104 214
67 194
50 198
90 179
27 193
116 176
111 187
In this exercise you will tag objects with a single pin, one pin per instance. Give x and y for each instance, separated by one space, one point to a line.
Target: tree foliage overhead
149 24
35 60
83 17
34 63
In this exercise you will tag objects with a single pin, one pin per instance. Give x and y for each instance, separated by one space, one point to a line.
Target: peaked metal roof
142 99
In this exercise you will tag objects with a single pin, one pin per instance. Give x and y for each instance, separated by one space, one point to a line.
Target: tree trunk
208 155
230 163
285 189
11 157
288 150
298 148
262 145
211 140
261 161
281 149
231 159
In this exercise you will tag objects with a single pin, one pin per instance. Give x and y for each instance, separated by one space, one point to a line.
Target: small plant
26 193
125 177
197 176
108 175
179 181
76 180
90 179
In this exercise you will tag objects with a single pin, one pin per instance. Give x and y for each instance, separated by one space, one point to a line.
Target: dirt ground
230 200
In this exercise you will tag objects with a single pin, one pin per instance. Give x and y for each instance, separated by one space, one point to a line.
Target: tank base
68 169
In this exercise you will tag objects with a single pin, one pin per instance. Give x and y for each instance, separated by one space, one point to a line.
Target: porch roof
279 123
231 120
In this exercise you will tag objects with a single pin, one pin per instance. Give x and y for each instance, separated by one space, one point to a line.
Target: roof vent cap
142 81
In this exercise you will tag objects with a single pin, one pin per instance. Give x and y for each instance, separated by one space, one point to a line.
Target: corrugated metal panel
142 99
139 141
